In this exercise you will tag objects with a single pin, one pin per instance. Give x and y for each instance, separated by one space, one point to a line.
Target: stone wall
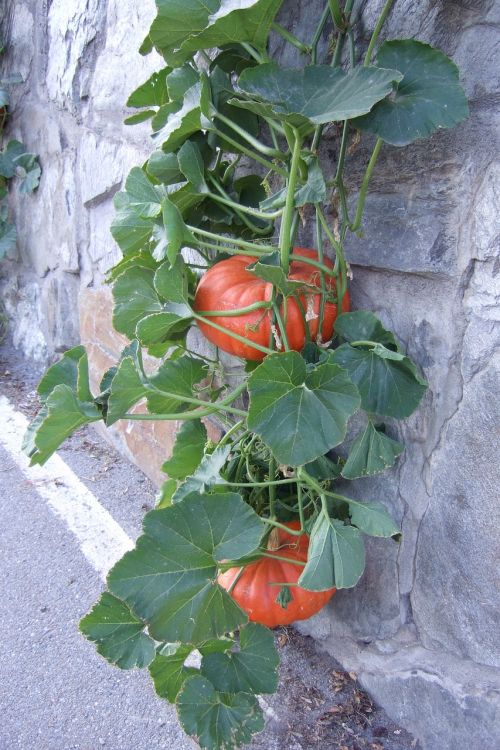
421 628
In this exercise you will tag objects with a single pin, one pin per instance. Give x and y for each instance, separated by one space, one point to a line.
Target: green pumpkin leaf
173 381
216 646
372 519
252 669
336 556
218 721
138 260
168 671
164 167
323 468
192 166
127 388
163 326
71 370
29 171
185 121
371 453
8 157
210 23
188 450
164 495
428 97
169 579
146 114
171 281
174 233
135 297
388 382
118 633
152 93
206 476
313 95
130 231
61 415
362 325
144 197
269 268
180 80
299 414
8 237
314 191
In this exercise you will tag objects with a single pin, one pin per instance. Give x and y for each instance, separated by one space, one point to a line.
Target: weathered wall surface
421 629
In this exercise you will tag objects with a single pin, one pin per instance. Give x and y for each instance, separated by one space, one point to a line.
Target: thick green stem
282 526
236 336
287 220
254 142
270 483
226 201
282 557
251 154
281 326
237 426
272 487
236 579
209 408
317 34
339 174
378 28
310 262
262 249
236 312
364 186
197 244
291 39
319 248
301 506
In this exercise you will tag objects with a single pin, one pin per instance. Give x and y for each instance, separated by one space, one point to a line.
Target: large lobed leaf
252 669
219 721
182 28
428 97
313 95
67 404
118 633
169 579
300 414
372 452
336 556
388 381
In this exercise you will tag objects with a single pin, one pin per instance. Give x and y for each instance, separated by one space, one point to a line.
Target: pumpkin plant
252 531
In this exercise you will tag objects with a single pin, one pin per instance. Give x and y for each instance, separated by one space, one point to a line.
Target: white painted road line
101 539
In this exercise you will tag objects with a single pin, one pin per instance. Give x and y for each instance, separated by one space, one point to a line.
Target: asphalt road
58 693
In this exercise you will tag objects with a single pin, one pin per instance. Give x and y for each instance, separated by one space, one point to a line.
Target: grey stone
71 28
455 594
401 233
447 703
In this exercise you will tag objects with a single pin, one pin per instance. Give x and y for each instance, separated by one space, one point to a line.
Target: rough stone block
401 234
120 68
71 28
455 596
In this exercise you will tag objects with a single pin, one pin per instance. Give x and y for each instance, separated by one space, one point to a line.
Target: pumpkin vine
254 530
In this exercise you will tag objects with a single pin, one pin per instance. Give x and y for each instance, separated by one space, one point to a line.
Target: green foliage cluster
15 161
220 102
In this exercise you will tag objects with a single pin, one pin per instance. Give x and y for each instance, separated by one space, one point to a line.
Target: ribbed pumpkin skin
228 286
257 598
